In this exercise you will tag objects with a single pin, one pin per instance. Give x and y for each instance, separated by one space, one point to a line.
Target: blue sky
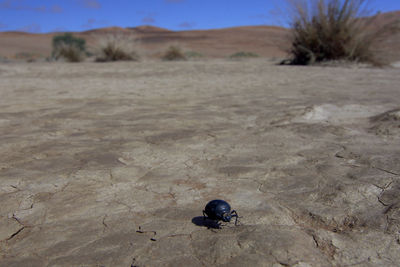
39 16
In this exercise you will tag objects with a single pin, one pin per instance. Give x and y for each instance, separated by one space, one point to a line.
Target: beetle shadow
205 222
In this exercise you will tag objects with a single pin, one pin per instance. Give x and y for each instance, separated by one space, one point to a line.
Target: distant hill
266 41
389 47
263 40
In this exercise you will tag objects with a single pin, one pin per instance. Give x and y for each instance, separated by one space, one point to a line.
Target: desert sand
112 164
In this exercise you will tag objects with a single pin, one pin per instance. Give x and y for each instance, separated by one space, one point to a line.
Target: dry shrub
69 47
174 53
325 30
117 47
70 53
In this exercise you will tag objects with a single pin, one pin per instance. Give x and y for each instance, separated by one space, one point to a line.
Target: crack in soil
325 246
178 235
111 177
18 221
16 233
315 241
384 170
104 223
384 187
380 195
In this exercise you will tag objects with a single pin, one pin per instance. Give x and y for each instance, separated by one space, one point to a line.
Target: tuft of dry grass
325 30
69 47
174 53
117 47
70 53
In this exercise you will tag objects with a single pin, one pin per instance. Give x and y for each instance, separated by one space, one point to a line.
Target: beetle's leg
204 215
234 214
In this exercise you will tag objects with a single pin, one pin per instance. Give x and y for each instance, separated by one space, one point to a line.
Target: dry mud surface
112 164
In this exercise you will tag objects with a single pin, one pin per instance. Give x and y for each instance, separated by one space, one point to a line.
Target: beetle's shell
215 209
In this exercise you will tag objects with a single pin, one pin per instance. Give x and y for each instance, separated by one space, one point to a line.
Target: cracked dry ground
95 157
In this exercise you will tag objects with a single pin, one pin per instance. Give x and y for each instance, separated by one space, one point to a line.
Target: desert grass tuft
325 30
117 48
174 53
69 47
70 53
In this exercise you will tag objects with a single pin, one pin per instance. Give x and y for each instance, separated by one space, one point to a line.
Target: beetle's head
226 217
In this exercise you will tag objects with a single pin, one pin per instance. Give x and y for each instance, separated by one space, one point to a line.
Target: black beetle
219 210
